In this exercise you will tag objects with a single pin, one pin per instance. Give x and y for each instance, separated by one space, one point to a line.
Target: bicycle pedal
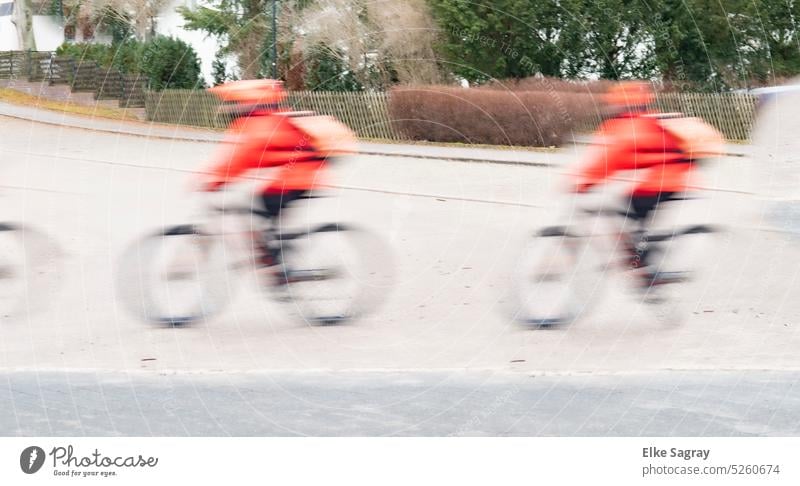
282 278
663 278
281 294
174 275
653 299
547 277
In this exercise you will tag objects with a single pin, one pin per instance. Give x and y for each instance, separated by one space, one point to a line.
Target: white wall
171 23
8 34
48 32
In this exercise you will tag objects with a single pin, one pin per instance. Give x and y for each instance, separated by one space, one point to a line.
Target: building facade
48 29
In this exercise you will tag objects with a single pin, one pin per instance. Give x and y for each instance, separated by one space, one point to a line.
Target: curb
59 119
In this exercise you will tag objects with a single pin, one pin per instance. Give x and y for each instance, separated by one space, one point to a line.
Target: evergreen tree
326 70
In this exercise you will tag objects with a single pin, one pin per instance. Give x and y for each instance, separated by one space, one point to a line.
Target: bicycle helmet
629 94
246 96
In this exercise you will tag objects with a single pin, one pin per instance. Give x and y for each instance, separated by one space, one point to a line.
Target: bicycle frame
240 229
247 243
618 243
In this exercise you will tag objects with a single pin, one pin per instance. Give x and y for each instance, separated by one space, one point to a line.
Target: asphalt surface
455 403
75 354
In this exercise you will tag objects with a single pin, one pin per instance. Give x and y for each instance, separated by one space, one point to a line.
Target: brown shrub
487 116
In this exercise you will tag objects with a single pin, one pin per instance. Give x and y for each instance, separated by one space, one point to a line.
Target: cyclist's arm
246 158
603 160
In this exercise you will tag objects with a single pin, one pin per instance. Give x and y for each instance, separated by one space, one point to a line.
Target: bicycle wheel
678 262
175 277
551 285
29 269
332 274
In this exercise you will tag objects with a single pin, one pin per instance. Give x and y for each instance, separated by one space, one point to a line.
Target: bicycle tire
30 269
139 268
550 286
332 262
669 301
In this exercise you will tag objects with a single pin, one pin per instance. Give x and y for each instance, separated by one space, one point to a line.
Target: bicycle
560 274
30 268
327 274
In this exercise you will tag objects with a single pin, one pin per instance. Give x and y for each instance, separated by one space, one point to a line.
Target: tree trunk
250 60
23 18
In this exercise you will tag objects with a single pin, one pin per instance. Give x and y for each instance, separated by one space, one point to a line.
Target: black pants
640 207
275 202
273 205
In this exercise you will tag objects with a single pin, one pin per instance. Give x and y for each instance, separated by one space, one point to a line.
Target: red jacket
269 140
637 142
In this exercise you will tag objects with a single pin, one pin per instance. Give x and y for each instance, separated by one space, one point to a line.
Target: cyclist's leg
641 209
274 201
643 205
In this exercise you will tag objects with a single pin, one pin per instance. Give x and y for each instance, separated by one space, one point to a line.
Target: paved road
454 228
454 403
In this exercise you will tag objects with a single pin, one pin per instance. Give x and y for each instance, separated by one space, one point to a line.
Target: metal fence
368 114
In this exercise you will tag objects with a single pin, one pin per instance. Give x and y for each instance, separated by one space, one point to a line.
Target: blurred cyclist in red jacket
633 139
663 149
263 136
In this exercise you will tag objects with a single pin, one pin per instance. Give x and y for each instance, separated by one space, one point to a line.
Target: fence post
50 68
121 86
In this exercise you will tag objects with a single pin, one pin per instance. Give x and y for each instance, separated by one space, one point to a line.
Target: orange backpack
697 139
327 135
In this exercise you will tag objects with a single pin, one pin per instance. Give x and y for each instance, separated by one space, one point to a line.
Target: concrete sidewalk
541 157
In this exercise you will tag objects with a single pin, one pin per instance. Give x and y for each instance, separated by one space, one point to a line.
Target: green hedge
165 62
